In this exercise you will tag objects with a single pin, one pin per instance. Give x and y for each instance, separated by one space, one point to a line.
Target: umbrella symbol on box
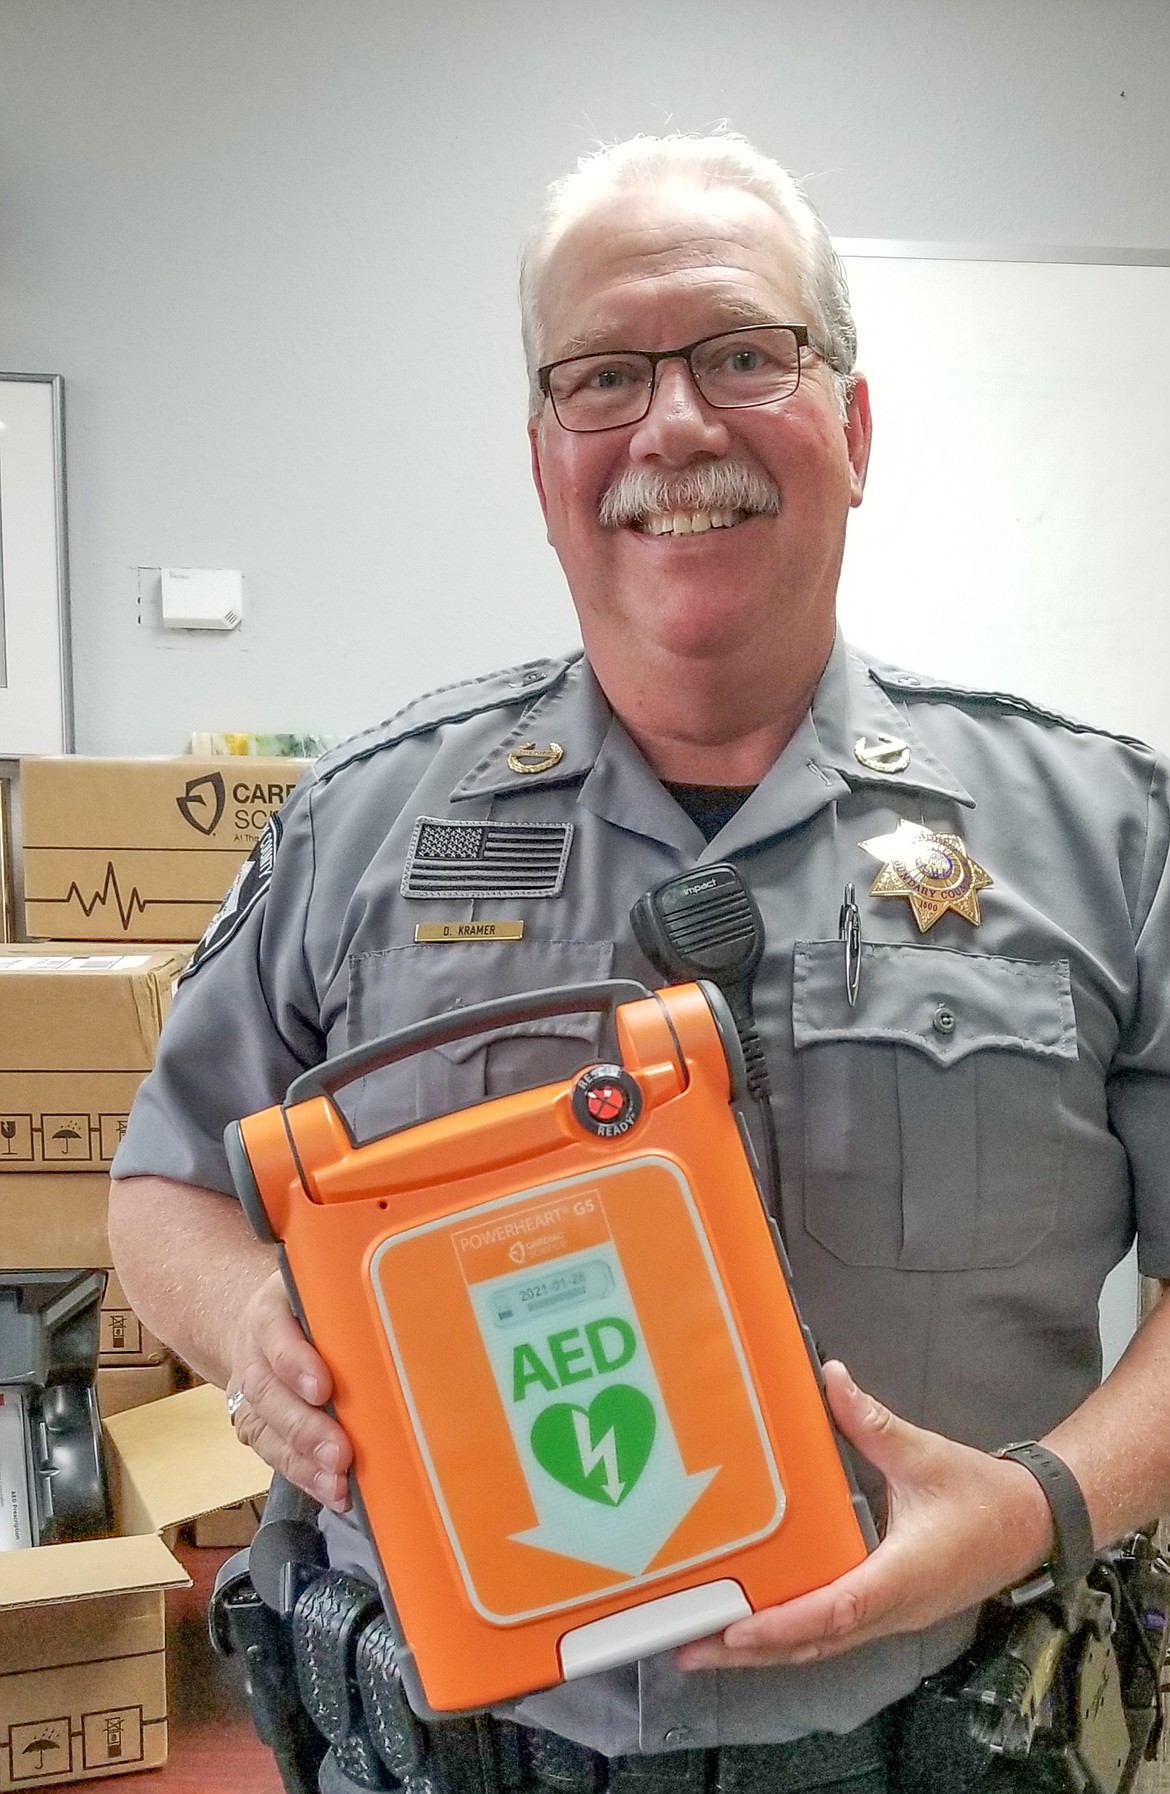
45 1742
67 1133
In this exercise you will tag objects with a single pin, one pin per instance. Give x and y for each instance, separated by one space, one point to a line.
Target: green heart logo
599 1452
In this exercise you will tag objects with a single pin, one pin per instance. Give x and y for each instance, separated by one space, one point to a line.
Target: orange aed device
587 1422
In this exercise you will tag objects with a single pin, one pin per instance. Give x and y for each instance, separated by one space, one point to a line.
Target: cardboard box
233 1527
134 1385
82 1626
124 1339
140 850
50 1222
78 1032
78 1036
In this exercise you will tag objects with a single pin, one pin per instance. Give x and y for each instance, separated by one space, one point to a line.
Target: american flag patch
486 859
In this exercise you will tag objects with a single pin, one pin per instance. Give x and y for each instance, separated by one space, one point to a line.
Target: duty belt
326 1692
349 1681
326 1655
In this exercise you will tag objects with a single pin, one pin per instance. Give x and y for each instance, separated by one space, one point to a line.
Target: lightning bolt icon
604 1452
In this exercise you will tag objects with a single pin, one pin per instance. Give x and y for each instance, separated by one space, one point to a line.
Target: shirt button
943 1020
678 1737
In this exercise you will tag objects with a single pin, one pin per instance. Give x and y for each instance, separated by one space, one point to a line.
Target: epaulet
448 704
920 685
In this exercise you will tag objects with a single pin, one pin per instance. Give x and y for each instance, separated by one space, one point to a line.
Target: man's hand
962 1526
201 1280
285 1384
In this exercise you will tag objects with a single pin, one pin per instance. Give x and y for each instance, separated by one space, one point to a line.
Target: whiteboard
35 685
1015 531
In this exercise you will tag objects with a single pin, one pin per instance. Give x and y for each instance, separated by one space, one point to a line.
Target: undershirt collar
710 807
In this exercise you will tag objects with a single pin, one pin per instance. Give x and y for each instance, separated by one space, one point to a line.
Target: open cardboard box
83 1626
132 1385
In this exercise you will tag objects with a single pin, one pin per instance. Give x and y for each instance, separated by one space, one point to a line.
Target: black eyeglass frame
655 357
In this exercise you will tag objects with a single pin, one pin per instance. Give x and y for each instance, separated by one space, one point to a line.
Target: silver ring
235 1401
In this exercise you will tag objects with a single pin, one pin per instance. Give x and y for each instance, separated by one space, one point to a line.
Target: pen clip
849 931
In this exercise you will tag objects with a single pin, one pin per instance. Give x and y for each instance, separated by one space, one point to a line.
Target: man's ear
858 436
534 451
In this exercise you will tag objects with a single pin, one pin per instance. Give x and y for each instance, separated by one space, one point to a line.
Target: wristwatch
1073 1555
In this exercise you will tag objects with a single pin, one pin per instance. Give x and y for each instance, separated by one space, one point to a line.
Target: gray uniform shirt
965 1153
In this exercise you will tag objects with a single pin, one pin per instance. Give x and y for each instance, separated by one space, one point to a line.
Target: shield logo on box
202 802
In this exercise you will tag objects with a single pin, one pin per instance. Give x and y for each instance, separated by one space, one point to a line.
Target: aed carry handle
333 1074
505 1012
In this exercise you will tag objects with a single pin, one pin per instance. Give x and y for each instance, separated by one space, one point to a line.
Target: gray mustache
709 486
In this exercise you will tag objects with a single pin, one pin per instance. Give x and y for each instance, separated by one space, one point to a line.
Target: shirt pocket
390 989
933 1126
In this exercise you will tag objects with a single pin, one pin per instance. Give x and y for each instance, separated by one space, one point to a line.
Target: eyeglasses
755 365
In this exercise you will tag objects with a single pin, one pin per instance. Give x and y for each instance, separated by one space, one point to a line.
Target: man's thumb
870 1427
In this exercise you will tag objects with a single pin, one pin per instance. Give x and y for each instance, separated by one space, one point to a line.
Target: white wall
239 229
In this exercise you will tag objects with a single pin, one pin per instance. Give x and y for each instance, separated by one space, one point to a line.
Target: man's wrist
1073 1553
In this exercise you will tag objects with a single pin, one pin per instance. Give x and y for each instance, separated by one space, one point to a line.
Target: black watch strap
1074 1555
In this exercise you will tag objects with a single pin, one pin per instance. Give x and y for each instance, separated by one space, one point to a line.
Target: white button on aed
656 1625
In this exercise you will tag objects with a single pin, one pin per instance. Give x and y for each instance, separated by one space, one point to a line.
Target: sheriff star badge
934 872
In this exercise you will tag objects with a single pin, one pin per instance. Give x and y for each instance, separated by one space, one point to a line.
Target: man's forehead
632 245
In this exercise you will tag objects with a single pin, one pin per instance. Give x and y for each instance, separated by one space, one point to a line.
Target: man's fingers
300 1442
327 1486
282 1341
284 1383
820 1624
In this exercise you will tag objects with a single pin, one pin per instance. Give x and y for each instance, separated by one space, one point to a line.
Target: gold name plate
438 932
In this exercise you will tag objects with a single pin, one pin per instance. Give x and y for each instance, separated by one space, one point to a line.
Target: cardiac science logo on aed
202 802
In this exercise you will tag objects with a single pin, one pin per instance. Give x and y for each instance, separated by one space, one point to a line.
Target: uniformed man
971 1127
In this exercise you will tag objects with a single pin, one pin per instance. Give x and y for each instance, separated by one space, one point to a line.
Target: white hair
722 160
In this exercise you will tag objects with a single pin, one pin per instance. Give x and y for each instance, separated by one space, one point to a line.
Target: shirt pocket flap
398 986
942 1003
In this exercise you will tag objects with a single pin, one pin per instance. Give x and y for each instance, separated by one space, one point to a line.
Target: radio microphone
707 924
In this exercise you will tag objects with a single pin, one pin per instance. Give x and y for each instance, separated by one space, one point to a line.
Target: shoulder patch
248 887
919 685
450 704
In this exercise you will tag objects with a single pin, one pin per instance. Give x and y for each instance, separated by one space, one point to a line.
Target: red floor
213 1748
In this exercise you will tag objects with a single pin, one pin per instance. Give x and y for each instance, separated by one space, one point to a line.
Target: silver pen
849 931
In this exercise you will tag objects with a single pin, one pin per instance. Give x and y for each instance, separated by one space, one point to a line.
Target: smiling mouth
686 523
687 501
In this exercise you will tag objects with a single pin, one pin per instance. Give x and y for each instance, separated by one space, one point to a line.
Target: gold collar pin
885 753
528 757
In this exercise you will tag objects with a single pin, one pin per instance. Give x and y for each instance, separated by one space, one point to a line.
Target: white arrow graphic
588 1348
626 1538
